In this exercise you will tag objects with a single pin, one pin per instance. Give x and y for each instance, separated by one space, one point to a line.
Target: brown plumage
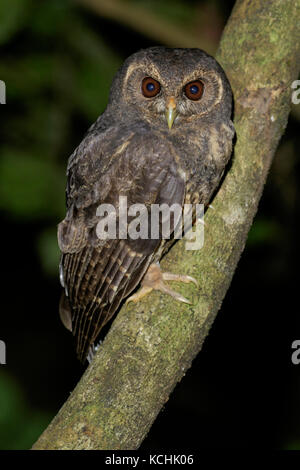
131 151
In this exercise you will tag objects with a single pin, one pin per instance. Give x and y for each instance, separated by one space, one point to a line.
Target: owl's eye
150 87
194 90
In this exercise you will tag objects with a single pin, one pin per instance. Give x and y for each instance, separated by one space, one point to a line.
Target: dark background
58 59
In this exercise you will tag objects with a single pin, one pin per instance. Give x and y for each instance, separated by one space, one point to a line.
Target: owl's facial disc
165 95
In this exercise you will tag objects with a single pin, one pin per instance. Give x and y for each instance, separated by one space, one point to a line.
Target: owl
165 137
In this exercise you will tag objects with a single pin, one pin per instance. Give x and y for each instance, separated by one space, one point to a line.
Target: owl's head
171 87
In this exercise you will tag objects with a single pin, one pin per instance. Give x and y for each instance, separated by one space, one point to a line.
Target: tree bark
151 345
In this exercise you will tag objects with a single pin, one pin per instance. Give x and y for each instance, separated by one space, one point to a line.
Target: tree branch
147 23
150 346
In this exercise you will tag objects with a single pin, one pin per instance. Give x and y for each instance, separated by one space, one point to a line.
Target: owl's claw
154 280
92 351
179 278
142 292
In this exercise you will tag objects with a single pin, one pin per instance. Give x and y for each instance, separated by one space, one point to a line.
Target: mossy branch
150 346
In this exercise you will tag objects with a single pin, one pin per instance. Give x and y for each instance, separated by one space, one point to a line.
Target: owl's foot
92 351
154 280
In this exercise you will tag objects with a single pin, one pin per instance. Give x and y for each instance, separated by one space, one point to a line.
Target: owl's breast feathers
202 153
97 274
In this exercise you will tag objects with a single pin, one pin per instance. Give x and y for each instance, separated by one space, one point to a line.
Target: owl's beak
171 111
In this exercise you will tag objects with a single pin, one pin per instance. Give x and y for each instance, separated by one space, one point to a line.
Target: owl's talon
142 292
166 290
179 278
92 351
154 280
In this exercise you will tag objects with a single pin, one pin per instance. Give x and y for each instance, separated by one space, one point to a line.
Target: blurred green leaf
13 14
30 186
48 251
92 88
264 232
177 11
20 425
44 128
96 65
28 76
50 17
292 445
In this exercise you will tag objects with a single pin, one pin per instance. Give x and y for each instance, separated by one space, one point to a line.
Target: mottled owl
164 137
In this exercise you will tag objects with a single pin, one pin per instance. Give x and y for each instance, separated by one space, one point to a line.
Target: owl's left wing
98 274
